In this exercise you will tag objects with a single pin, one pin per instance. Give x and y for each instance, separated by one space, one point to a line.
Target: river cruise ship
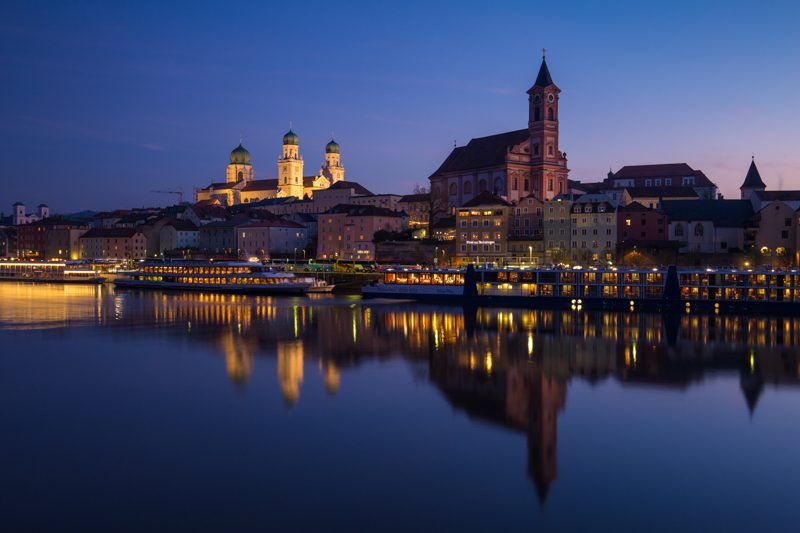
47 272
660 289
219 276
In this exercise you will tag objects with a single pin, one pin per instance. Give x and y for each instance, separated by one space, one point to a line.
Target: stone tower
290 167
548 165
239 169
333 169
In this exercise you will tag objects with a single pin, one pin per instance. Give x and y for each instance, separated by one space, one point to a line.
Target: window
550 153
648 183
787 222
527 185
550 181
535 149
551 114
784 234
698 230
679 230
537 114
453 189
482 186
467 187
658 182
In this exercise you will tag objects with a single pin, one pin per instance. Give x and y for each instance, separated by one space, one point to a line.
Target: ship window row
569 291
424 278
738 280
583 278
751 294
199 280
196 270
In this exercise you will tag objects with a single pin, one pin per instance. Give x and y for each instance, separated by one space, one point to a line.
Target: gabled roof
486 198
483 152
220 186
668 170
273 223
723 213
358 189
421 197
753 179
182 224
662 192
110 233
364 211
634 207
771 196
261 185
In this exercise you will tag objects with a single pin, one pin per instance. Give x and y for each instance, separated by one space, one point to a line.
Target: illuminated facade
241 187
346 232
482 226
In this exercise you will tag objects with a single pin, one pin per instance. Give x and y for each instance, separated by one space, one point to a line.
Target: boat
48 272
218 276
608 288
320 286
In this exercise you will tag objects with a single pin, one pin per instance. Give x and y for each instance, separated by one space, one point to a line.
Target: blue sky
104 102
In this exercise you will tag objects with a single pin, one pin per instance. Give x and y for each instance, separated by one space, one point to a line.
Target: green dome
240 156
332 147
291 138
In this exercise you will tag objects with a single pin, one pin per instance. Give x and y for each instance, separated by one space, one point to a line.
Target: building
639 224
418 208
273 238
8 242
752 183
346 232
709 226
651 197
777 236
482 226
178 235
220 237
513 164
113 243
241 187
557 228
20 217
594 229
662 175
526 231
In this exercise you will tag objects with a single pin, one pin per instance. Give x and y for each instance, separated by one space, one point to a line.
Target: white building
20 217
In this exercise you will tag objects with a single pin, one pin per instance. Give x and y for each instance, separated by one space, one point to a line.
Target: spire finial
754 156
290 125
241 138
454 143
544 53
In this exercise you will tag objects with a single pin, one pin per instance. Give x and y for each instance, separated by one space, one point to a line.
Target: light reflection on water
508 368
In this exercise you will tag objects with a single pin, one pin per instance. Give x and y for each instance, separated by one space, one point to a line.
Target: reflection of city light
634 354
530 344
488 363
752 362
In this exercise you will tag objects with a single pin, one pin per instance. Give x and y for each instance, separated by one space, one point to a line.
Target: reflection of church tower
238 358
239 168
751 383
290 167
333 169
548 396
332 377
290 370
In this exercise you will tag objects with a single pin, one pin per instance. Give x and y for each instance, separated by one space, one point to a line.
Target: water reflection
505 367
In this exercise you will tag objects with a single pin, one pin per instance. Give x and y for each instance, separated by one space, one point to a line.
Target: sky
103 103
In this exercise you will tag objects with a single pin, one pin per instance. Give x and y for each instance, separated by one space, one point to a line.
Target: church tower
290 167
333 169
752 182
548 165
239 169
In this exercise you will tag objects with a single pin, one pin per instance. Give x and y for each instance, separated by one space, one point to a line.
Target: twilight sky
104 102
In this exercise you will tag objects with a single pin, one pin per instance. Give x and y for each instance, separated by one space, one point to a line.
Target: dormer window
587 209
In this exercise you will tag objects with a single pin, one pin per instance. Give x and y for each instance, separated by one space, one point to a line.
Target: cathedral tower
239 168
333 169
548 164
290 167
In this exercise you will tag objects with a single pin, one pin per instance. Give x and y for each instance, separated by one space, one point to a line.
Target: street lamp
530 254
435 256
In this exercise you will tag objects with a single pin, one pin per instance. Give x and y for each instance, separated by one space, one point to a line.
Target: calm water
154 411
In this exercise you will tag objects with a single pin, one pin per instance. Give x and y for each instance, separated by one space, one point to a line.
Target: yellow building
241 187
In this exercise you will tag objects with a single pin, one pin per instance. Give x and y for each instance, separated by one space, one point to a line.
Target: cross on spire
544 52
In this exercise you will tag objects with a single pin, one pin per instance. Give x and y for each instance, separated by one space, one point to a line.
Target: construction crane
178 192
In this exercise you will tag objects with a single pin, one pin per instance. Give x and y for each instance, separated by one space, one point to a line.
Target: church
515 164
241 187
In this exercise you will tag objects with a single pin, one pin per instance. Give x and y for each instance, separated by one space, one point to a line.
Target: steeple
753 179
752 182
543 79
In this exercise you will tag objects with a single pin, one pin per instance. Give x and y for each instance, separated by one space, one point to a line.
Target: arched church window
535 149
550 114
536 114
482 186
679 230
453 189
498 185
550 150
468 187
240 175
698 230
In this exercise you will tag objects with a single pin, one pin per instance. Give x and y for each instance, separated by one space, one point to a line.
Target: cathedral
241 187
514 164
